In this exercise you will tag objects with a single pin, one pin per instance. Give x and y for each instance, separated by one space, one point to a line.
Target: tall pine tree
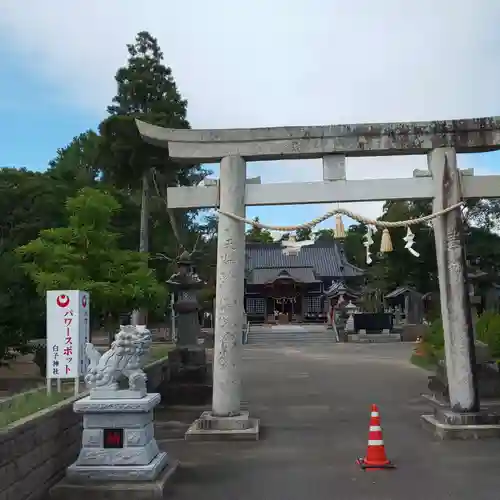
146 90
146 86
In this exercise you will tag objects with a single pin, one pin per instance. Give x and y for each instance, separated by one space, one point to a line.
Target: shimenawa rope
385 244
342 211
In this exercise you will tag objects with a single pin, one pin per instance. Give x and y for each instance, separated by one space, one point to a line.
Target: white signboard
67 333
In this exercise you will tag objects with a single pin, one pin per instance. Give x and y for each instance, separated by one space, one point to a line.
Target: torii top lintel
471 135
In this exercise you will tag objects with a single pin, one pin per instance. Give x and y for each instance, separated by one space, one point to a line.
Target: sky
254 63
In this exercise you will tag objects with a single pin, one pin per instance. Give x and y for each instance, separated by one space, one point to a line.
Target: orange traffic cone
375 455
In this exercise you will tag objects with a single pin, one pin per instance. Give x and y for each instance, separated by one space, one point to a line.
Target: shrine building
295 285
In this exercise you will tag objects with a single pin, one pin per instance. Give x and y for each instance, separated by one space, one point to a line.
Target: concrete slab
444 431
116 490
238 428
447 425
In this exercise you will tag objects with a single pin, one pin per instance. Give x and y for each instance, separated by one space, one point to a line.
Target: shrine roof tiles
403 290
260 276
325 258
340 288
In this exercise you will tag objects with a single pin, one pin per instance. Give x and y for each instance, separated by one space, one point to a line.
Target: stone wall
34 452
410 333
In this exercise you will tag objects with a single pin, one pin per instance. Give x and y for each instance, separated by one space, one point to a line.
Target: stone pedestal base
374 338
190 380
119 452
447 425
115 490
211 428
80 474
116 432
186 356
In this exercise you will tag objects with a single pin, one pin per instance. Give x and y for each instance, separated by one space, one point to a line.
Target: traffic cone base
375 455
364 465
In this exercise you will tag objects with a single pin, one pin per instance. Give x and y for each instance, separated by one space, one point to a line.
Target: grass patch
159 351
425 362
27 403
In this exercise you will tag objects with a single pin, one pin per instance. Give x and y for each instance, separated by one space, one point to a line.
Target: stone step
295 333
285 336
376 338
303 338
291 339
288 329
291 334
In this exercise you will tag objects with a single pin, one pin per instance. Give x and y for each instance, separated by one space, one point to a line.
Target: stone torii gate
443 182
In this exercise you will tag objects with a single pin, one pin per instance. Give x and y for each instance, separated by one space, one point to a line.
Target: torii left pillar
227 420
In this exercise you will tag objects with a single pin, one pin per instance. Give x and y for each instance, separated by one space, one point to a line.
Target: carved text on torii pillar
454 249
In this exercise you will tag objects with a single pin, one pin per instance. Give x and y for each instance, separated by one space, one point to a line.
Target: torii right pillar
462 418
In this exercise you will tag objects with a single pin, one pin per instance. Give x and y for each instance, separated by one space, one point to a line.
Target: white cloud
263 63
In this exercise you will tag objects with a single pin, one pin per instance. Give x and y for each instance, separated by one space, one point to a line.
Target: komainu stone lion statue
124 359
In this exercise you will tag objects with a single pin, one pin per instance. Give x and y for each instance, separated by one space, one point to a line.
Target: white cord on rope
386 244
342 211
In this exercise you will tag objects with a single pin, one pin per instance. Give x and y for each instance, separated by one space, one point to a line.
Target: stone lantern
189 380
351 310
185 285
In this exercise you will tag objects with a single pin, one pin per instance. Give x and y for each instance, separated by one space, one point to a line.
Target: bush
435 335
40 358
13 343
488 331
431 350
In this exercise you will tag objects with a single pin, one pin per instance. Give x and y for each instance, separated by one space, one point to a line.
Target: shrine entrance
284 301
285 305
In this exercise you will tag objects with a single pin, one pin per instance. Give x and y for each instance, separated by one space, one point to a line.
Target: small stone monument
350 309
119 453
190 377
397 316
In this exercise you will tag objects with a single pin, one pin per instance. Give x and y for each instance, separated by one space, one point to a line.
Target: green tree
29 202
146 90
482 244
483 214
324 235
258 234
401 268
85 255
354 248
78 162
22 315
483 250
303 234
488 331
